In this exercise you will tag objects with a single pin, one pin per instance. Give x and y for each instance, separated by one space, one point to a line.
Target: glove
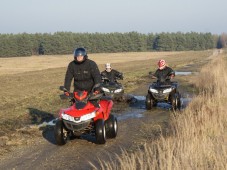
120 76
96 92
172 76
66 93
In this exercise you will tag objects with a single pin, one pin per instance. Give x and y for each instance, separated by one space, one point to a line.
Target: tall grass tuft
198 134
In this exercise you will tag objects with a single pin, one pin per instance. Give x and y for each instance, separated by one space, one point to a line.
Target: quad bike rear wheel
60 133
111 126
100 131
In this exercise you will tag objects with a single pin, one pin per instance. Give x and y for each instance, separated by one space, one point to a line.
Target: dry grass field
197 138
29 85
24 64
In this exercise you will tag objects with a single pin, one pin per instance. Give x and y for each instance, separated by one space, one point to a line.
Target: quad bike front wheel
100 131
59 133
149 102
175 101
178 106
111 126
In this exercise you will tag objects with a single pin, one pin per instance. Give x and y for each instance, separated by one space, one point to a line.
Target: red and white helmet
161 64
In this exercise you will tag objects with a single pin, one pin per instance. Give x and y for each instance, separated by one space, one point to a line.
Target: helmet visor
79 53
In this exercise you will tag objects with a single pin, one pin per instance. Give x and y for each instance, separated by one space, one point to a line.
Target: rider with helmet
111 74
84 71
163 73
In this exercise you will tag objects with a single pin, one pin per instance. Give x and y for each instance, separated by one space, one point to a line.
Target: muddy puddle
135 110
139 102
137 107
184 73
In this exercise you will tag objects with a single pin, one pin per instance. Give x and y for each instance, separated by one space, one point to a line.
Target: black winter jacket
112 75
85 74
163 74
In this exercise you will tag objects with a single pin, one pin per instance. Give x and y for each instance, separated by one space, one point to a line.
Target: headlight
105 89
118 91
167 90
87 116
82 118
153 90
67 117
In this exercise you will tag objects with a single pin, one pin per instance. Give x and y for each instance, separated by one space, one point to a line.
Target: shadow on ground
39 116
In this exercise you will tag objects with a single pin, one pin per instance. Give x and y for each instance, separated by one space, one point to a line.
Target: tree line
222 41
65 42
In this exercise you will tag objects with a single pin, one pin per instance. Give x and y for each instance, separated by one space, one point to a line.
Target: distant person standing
41 49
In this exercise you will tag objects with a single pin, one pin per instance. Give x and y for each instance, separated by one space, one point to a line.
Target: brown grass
198 134
17 65
29 97
33 63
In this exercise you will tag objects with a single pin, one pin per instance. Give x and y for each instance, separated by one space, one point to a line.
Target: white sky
144 16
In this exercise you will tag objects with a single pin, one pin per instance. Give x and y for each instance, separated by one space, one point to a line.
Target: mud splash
50 123
185 102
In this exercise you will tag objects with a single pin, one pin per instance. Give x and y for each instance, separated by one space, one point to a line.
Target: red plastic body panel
101 113
104 110
82 97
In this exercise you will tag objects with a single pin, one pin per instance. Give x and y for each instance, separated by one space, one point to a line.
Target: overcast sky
144 16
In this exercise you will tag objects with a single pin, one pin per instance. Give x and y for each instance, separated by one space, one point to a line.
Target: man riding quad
110 86
163 90
111 74
85 73
163 73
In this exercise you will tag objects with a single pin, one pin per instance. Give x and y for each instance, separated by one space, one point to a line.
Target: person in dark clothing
41 49
111 74
163 73
85 73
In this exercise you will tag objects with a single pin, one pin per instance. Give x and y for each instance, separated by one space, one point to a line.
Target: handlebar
90 96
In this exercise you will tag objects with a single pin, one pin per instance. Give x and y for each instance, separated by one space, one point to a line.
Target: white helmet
108 65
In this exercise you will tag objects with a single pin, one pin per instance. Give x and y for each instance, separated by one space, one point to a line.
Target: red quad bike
83 117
